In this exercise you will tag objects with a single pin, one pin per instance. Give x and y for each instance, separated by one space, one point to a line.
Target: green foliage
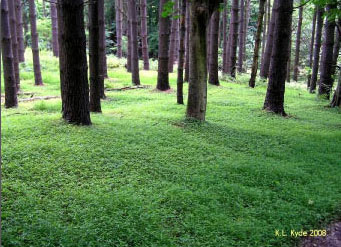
168 9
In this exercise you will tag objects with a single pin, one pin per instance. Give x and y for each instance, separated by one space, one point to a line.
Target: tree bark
261 12
73 62
234 38
274 101
241 36
164 33
214 36
311 49
188 26
201 11
246 25
298 44
225 38
54 23
144 34
265 25
102 43
172 44
129 40
326 67
336 48
35 44
336 101
180 80
318 42
7 58
118 11
289 59
20 31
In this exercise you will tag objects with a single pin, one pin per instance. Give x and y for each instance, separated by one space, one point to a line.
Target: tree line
194 34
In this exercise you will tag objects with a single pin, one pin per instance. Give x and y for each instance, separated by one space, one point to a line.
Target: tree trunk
164 33
298 44
144 34
44 9
188 26
73 62
134 43
241 36
265 25
289 59
274 101
172 44
246 25
318 42
102 43
54 22
180 80
311 49
35 44
264 72
118 8
336 48
96 79
252 81
336 102
20 31
129 41
7 58
201 11
225 38
234 37
14 41
214 36
326 67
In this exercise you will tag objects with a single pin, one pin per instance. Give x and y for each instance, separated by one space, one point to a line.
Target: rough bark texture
144 34
289 59
213 58
164 33
180 80
73 64
94 58
264 72
261 12
20 31
201 11
172 44
128 33
241 36
311 49
326 67
234 37
225 38
118 11
35 44
134 43
336 48
188 25
274 101
318 42
102 43
298 44
246 25
54 23
336 101
7 58
265 26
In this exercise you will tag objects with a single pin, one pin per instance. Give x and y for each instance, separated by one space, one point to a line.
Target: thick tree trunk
134 43
213 58
265 25
73 62
326 67
225 38
118 11
102 43
318 42
311 49
14 41
241 36
54 22
264 72
164 33
35 44
234 37
336 102
298 44
96 79
274 101
289 59
20 31
188 26
336 49
144 34
172 44
180 80
261 12
201 11
7 58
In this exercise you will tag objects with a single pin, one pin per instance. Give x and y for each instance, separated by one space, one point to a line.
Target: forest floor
141 175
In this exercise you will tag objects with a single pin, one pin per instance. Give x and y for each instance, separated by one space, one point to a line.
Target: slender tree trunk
94 57
20 31
25 26
225 38
228 48
188 26
252 81
180 80
264 72
246 25
73 62
264 32
274 101
164 33
241 36
144 34
54 21
336 48
177 33
172 44
214 36
129 40
326 67
134 43
311 49
35 44
102 43
7 58
318 42
336 102
234 37
14 41
118 8
298 44
44 9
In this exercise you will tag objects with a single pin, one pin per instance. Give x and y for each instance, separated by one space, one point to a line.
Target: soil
333 238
